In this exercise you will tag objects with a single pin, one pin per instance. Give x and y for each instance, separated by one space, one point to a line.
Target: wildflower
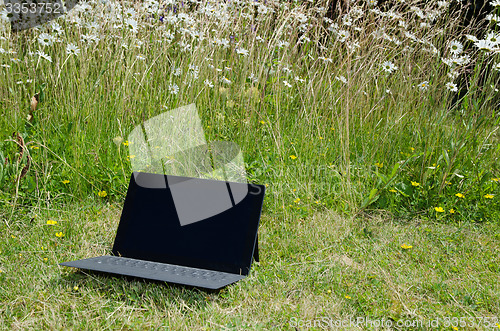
51 222
75 288
242 51
59 234
44 55
493 38
293 157
173 88
102 194
72 49
131 24
140 57
452 211
452 86
456 47
226 81
439 209
424 85
176 71
287 84
341 78
495 3
389 67
56 27
65 181
296 200
208 83
485 45
406 246
496 179
460 195
45 39
380 165
126 143
471 38
347 296
415 183
488 196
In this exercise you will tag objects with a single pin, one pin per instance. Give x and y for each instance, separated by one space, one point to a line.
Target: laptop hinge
256 250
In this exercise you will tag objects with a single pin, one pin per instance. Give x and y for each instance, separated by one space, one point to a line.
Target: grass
322 266
358 161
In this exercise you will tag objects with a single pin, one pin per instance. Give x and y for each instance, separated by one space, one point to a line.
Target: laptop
182 230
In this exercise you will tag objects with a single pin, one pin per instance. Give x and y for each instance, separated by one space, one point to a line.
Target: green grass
321 266
354 169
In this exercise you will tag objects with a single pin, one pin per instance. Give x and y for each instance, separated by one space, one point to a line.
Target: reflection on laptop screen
194 222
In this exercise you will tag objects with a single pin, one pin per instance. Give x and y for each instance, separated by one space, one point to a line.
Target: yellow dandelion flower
262 122
296 200
102 194
406 246
75 288
489 196
460 195
51 222
347 296
452 211
415 183
380 165
293 157
412 149
126 143
439 209
320 138
45 259
65 181
329 291
59 234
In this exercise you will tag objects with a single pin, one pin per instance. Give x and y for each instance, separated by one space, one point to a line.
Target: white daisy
140 57
72 49
452 86
226 81
493 38
287 84
242 51
45 39
43 55
484 45
389 67
131 25
456 47
341 78
424 85
208 83
173 88
495 3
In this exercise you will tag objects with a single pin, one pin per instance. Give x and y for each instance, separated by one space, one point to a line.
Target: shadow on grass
134 290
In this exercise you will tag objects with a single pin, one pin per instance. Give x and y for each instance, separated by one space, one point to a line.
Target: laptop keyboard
174 270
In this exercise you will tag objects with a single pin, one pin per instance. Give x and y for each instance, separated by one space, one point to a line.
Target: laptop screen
193 222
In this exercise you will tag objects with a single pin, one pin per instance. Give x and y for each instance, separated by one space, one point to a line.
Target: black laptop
183 230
